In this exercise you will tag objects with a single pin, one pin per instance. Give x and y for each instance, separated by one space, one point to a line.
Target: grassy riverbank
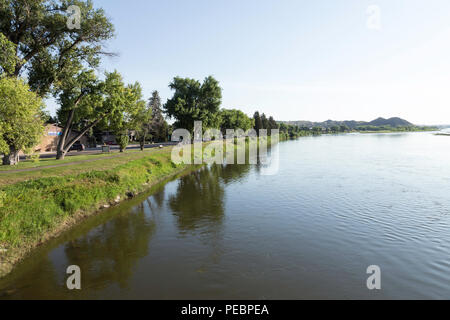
36 206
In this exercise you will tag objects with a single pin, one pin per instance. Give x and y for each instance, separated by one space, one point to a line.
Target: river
338 204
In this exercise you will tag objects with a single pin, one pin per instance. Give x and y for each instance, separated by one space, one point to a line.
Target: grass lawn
9 174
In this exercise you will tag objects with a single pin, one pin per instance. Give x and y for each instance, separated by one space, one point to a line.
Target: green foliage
158 126
258 125
21 125
2 198
317 130
288 131
149 122
8 59
46 47
264 121
335 129
123 140
194 101
261 122
32 155
234 119
388 128
87 101
272 123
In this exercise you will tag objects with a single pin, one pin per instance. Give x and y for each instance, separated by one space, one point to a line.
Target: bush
32 155
123 141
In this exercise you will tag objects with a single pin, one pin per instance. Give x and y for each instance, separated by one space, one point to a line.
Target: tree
258 123
123 139
264 121
334 129
45 45
158 125
21 124
317 130
142 123
272 123
128 118
194 101
85 102
234 119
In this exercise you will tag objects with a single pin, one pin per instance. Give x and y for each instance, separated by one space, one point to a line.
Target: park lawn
70 165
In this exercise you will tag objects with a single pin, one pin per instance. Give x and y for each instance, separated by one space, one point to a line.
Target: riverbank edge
13 256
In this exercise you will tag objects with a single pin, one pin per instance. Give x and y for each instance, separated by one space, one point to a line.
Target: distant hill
393 122
352 124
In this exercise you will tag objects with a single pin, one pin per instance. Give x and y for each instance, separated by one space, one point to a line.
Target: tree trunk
142 142
64 147
60 154
12 158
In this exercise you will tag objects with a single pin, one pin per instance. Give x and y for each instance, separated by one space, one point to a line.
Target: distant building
49 141
107 138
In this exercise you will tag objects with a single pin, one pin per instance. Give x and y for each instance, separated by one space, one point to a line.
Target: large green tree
272 123
45 44
158 126
258 125
234 119
131 117
194 101
265 122
21 124
85 102
142 124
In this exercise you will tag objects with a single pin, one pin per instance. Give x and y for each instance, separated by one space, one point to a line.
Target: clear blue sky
295 60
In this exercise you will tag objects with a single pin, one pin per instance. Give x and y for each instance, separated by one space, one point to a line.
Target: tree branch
83 132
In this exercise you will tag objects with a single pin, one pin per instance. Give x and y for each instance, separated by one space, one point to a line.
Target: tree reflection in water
109 254
106 248
199 200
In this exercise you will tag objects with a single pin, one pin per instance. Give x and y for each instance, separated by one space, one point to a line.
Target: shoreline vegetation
295 129
293 132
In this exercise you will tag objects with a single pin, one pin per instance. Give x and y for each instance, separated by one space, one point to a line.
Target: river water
337 205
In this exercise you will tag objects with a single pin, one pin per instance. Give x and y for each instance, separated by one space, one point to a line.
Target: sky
293 59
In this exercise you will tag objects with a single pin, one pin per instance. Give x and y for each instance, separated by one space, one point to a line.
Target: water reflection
110 253
105 247
198 202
